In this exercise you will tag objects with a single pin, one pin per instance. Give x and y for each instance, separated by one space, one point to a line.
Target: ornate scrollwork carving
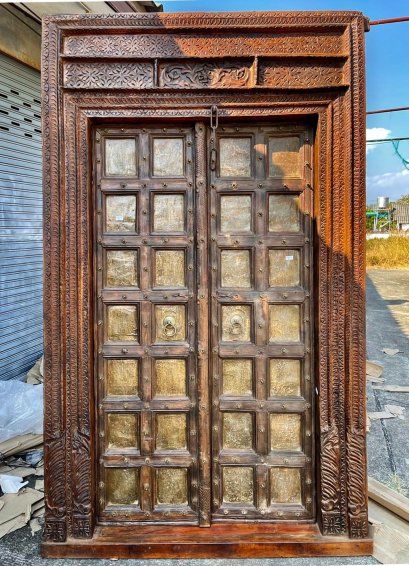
204 75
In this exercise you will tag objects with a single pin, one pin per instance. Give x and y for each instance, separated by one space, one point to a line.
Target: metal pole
389 21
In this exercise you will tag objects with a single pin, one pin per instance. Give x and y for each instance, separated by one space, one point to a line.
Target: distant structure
381 215
401 216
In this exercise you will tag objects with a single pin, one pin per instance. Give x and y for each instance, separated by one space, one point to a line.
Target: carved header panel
198 45
277 74
294 74
205 75
108 75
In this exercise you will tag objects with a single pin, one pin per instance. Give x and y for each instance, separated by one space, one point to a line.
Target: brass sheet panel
122 430
283 213
171 486
120 212
284 323
285 432
237 376
237 431
235 157
122 377
168 213
238 484
284 157
120 157
168 159
170 322
122 266
235 268
171 431
170 378
284 268
285 377
285 485
122 323
236 320
122 486
235 213
170 268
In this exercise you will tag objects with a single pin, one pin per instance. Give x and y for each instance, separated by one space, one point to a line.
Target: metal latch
214 123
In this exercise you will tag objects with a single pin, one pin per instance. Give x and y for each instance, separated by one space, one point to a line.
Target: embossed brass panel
168 159
170 321
237 376
285 486
285 377
120 213
168 213
283 213
236 321
235 213
238 431
284 268
122 486
170 268
122 430
122 377
121 268
285 432
120 157
238 483
284 157
284 323
171 432
171 486
235 157
235 268
122 323
170 378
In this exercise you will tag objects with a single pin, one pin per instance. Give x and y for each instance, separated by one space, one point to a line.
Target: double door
203 323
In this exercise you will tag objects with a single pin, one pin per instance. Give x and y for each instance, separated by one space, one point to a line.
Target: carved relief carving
204 75
291 74
108 75
198 45
333 522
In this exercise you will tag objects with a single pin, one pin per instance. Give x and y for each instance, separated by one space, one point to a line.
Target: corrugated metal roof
401 214
20 218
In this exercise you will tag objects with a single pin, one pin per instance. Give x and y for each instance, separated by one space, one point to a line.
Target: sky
387 76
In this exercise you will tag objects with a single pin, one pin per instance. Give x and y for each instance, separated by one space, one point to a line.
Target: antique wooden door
203 352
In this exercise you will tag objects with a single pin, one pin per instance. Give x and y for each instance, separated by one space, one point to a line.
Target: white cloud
392 185
375 134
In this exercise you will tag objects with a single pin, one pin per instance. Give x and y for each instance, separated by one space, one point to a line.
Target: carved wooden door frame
87 79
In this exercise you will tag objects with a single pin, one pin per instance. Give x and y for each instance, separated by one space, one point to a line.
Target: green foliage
404 199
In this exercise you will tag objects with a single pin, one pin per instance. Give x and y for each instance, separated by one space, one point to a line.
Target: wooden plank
390 535
388 498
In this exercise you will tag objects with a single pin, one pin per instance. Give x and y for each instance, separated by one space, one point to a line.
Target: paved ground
388 454
388 327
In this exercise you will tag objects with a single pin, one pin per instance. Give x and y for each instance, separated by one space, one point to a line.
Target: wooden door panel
260 259
152 325
146 331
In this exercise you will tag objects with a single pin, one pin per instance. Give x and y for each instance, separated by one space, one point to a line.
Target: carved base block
218 541
55 531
